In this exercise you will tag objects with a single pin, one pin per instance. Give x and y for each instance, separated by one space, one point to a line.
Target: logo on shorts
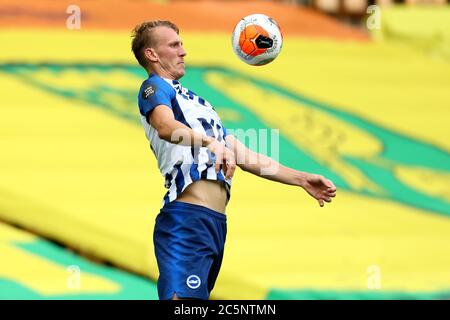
193 281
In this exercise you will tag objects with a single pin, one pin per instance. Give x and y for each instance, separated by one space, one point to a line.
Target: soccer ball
257 39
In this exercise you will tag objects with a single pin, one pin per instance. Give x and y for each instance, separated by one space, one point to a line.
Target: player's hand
224 157
320 188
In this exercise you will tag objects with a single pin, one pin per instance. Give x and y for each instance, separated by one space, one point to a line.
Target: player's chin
181 70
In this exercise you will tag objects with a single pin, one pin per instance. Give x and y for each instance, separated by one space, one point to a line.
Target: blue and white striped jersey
181 165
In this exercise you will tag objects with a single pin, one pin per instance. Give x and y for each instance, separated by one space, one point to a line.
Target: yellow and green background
369 111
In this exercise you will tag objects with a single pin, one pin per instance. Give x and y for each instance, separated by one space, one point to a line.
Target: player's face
169 53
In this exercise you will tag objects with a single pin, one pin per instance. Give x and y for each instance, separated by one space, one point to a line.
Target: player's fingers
230 170
229 161
321 202
224 164
219 161
329 184
224 167
331 194
328 192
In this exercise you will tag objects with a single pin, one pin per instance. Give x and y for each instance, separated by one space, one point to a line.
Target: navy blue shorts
189 242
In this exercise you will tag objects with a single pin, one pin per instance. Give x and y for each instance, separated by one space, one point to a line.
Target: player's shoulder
155 84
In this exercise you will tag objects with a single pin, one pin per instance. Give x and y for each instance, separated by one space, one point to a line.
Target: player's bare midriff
208 193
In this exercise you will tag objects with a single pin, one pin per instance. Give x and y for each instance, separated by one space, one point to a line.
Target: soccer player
197 157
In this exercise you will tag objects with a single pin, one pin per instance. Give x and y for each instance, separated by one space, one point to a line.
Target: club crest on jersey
148 91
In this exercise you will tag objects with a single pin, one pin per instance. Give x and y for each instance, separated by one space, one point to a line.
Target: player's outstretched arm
320 188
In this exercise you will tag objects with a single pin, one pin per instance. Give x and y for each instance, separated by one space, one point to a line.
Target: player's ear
151 55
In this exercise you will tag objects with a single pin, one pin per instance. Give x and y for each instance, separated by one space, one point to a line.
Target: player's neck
162 73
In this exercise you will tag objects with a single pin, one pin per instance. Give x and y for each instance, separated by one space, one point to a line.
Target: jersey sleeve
225 132
152 94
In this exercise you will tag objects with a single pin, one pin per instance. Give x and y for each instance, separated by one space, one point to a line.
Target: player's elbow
164 133
170 132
